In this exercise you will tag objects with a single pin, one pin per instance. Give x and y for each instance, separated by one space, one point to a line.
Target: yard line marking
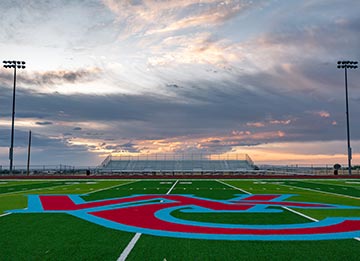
310 218
112 187
246 192
5 214
48 188
133 241
301 214
129 247
167 193
320 191
45 188
291 210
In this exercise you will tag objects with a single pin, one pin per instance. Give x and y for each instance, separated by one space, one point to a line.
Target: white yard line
167 193
289 209
64 185
134 240
233 187
45 188
5 214
301 214
112 187
312 219
129 247
320 191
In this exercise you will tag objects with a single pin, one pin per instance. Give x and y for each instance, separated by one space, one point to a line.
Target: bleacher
176 164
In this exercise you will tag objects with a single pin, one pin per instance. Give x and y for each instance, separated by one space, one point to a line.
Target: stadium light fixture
15 65
347 65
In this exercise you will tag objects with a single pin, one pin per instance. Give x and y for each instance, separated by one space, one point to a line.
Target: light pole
18 65
28 159
347 65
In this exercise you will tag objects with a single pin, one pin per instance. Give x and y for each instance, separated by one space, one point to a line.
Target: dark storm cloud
217 109
52 77
43 123
129 146
43 145
58 77
294 80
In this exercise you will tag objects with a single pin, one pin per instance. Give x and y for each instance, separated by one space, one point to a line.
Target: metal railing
176 163
178 157
47 169
309 169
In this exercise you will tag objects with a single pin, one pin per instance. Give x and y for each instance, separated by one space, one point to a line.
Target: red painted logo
151 214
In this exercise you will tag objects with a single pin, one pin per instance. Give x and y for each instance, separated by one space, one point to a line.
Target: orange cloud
283 122
255 124
322 114
167 14
194 49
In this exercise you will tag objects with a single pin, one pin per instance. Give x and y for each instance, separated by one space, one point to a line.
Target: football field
178 219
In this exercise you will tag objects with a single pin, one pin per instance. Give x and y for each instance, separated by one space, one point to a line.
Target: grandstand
177 163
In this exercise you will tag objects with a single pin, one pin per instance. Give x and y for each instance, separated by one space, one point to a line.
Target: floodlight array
347 64
14 64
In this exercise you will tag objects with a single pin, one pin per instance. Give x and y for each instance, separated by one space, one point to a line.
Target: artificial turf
163 248
57 237
64 237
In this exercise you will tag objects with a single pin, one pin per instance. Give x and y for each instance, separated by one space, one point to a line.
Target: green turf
13 201
57 237
280 187
207 189
26 187
162 248
337 189
132 188
64 237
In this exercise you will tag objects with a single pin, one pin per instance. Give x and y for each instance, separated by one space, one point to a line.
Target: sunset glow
203 77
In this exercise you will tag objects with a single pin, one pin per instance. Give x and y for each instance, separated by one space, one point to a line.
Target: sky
136 77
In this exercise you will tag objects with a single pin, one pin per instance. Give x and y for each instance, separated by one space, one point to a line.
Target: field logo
152 214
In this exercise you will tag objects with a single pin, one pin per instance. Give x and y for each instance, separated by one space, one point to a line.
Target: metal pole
29 149
347 122
11 153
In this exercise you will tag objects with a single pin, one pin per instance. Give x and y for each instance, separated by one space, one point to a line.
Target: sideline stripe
320 191
246 192
106 188
5 214
133 241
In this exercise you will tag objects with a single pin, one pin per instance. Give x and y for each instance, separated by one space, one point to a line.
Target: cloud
322 114
53 77
215 15
199 48
179 76
152 17
186 122
42 123
255 124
